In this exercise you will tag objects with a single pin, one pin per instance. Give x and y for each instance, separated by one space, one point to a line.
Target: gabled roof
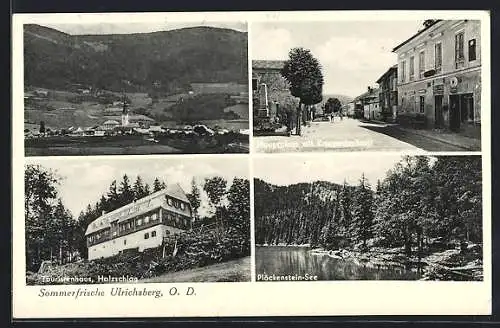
391 69
367 94
416 34
176 191
268 64
142 205
109 122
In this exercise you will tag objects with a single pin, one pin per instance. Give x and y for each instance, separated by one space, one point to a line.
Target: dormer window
169 201
183 206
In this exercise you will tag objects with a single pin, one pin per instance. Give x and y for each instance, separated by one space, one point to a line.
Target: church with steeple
125 121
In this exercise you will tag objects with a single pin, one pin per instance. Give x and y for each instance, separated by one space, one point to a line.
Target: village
90 116
429 99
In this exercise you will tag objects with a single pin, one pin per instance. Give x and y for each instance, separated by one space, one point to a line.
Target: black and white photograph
251 164
366 217
136 220
99 88
375 85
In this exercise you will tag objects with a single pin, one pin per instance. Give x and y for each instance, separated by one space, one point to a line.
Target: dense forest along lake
300 261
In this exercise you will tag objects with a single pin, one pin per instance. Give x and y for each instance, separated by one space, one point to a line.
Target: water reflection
299 261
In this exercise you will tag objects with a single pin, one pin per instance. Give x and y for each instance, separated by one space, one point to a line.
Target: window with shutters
412 68
459 49
421 64
438 57
403 71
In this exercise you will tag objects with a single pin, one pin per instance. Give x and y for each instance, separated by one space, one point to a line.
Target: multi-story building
141 224
388 93
439 74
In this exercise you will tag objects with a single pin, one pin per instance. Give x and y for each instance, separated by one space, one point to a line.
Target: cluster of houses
437 78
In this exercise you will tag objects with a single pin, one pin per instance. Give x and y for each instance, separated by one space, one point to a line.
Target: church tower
124 112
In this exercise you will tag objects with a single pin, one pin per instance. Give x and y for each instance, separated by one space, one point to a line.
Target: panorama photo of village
137 221
388 217
135 88
367 85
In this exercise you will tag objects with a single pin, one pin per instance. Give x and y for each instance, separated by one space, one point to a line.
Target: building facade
439 74
388 94
368 105
141 224
271 90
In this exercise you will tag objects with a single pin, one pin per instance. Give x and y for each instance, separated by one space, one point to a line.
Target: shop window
139 222
146 220
154 216
472 49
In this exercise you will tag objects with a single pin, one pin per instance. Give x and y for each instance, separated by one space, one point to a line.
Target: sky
353 54
84 180
136 27
332 168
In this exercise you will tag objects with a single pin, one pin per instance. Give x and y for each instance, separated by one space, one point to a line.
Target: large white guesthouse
141 224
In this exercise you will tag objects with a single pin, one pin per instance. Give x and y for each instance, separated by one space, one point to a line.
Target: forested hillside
420 200
169 59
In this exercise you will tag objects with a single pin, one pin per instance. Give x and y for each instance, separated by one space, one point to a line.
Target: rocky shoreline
450 264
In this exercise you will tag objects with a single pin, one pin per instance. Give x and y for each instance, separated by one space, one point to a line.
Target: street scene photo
96 221
368 217
366 86
135 88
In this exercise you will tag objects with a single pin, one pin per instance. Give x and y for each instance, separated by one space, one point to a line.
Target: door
454 113
438 111
467 108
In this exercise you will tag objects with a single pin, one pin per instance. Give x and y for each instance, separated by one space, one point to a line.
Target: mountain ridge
175 58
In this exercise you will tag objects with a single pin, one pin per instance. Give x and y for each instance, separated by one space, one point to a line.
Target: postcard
211 164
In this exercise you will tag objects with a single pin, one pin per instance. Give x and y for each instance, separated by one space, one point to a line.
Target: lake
299 261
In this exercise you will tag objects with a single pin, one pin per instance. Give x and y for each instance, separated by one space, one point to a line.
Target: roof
415 35
109 122
268 64
391 69
176 191
373 93
143 205
139 118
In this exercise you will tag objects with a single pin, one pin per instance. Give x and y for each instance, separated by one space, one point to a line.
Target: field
135 145
231 271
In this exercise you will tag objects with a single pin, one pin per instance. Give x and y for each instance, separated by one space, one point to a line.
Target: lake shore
444 264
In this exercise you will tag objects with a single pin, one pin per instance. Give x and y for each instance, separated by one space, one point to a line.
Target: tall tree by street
303 72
